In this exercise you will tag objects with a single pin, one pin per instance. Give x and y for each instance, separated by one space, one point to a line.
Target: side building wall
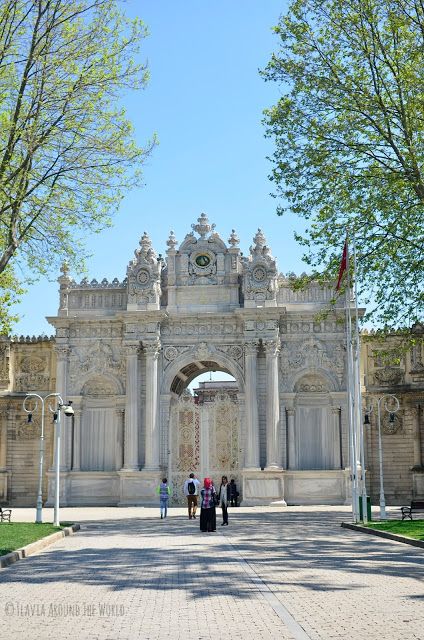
402 434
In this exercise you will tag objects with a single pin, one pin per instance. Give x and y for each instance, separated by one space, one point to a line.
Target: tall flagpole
350 392
358 396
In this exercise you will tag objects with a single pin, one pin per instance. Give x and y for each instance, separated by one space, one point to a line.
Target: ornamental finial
172 241
203 227
233 240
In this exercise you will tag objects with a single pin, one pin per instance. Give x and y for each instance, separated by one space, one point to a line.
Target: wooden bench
5 514
416 505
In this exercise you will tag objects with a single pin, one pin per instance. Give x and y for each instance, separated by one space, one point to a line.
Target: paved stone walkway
274 573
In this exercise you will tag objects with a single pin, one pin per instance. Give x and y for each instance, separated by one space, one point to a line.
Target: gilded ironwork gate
204 440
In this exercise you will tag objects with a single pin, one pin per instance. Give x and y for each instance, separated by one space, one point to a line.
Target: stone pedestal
63 488
138 488
418 484
263 487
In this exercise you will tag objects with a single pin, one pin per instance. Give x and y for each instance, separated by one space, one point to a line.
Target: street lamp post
68 410
39 511
391 411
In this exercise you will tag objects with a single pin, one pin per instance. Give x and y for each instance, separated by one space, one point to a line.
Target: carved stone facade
125 351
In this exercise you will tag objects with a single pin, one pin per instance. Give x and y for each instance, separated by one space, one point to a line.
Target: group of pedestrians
209 499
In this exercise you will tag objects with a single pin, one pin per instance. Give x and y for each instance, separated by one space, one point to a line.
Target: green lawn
15 535
409 528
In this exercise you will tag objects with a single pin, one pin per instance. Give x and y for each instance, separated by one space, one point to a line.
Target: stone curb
38 545
384 534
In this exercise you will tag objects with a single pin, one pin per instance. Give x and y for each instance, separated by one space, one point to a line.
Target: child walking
164 493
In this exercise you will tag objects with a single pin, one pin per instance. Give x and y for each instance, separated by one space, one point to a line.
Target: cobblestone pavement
274 573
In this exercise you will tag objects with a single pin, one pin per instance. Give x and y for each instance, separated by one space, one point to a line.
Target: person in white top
191 491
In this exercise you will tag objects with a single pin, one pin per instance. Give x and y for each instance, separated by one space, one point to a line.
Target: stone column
273 450
291 438
418 461
252 420
337 434
62 353
120 416
131 409
152 430
76 466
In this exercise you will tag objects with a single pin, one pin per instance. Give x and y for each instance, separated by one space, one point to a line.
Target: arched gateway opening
204 426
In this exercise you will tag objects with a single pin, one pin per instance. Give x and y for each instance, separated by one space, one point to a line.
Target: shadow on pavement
176 555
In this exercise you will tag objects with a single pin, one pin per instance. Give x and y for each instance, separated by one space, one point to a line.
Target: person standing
191 491
164 492
207 507
224 498
233 493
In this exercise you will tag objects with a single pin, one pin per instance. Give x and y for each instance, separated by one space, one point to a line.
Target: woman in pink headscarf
207 507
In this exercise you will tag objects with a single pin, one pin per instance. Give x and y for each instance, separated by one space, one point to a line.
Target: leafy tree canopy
67 152
348 132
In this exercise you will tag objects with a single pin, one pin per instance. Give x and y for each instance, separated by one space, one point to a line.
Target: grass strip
14 535
409 528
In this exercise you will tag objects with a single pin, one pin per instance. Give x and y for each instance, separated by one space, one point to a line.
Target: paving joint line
282 612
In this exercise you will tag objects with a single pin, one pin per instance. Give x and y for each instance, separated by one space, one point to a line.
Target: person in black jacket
224 499
233 493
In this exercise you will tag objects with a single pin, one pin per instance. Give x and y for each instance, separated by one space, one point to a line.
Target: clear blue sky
205 102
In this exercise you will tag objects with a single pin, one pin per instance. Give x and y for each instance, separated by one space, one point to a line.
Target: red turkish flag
343 265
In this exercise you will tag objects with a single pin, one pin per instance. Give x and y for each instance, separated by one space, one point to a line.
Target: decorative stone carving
99 386
259 274
199 329
32 373
388 376
172 241
4 365
170 353
203 227
152 348
314 354
144 277
233 240
312 384
98 358
28 430
391 427
32 364
204 351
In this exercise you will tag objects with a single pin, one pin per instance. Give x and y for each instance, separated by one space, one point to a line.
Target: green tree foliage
349 132
67 152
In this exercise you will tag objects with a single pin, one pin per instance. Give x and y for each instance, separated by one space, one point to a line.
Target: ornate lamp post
391 411
56 419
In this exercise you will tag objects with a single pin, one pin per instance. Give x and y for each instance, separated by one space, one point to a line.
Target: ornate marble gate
204 440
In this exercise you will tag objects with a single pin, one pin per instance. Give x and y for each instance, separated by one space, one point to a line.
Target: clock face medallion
202 260
143 277
259 274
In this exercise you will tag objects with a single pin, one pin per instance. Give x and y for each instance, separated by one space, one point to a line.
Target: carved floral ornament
28 431
99 386
32 364
388 375
152 349
203 351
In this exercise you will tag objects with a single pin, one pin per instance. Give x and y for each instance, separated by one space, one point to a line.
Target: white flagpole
358 395
350 392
